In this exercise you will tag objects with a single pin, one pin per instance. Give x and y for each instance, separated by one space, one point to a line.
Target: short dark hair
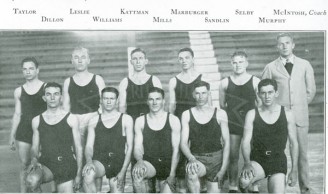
53 85
138 50
30 59
285 34
266 82
201 84
110 89
239 53
158 90
186 50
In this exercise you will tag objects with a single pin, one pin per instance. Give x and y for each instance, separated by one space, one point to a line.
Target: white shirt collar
290 59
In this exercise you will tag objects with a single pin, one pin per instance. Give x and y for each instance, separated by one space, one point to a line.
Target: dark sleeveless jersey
240 99
32 105
109 140
56 140
158 144
270 137
84 99
183 96
204 138
136 98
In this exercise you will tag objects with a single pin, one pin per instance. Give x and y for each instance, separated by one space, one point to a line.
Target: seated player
264 141
157 138
56 132
109 134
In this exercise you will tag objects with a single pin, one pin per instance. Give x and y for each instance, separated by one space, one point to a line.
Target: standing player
157 138
28 104
237 97
204 126
296 86
264 141
134 89
55 137
108 134
82 90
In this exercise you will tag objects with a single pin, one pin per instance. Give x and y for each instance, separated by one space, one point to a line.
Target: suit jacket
297 90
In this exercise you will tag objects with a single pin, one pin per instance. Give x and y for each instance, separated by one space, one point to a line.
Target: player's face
285 46
139 61
155 101
109 101
201 95
186 60
30 71
81 60
268 95
239 64
52 97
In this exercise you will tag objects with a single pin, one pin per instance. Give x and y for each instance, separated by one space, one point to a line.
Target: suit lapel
281 68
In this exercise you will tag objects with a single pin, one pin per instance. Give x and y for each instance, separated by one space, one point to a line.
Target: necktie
289 67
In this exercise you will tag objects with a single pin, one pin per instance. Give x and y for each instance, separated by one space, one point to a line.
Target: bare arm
310 83
176 130
222 92
66 98
293 145
128 128
73 123
185 135
138 138
36 138
256 82
16 117
88 152
157 82
222 118
100 83
172 85
248 171
122 96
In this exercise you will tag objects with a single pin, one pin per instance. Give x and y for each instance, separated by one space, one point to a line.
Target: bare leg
89 179
303 163
233 164
35 178
213 187
259 174
164 187
141 184
276 183
193 182
182 185
114 188
24 152
66 187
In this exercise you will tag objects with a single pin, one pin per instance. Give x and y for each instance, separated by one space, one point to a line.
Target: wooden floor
9 167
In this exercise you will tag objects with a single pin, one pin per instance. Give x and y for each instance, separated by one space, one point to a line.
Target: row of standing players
81 94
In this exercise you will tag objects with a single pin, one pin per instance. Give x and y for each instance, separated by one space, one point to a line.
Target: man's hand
77 183
87 168
139 170
220 177
12 143
292 178
120 180
34 165
192 167
248 171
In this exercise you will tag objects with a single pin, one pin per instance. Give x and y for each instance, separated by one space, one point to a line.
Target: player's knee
244 183
191 178
33 181
89 177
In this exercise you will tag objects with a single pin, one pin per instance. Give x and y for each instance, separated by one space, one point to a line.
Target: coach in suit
296 87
